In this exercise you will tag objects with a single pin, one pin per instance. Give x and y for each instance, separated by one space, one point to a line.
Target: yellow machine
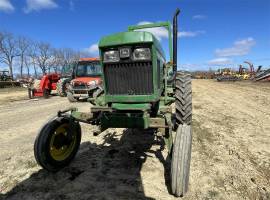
243 73
226 74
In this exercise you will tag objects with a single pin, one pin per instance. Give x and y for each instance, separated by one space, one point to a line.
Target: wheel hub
60 145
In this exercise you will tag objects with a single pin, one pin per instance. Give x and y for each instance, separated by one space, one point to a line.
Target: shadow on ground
110 170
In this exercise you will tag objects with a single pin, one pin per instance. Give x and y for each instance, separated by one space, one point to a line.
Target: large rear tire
181 156
183 101
62 87
53 149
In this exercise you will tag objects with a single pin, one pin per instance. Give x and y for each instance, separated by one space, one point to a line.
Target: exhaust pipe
175 35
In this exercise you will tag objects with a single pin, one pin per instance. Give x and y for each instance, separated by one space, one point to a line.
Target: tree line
24 54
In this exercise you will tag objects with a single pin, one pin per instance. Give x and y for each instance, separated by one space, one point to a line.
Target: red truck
86 79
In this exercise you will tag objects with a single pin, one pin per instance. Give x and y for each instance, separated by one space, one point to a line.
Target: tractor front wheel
57 143
181 156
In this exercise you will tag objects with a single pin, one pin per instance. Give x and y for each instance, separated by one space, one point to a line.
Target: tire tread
183 95
180 166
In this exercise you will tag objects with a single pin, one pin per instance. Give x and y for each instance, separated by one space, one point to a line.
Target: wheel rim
60 148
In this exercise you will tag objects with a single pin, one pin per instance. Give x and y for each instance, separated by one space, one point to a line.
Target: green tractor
142 91
4 76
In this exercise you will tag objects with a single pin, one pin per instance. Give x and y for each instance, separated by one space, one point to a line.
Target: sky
211 33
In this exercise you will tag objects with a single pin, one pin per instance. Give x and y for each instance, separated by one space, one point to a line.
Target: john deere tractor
142 91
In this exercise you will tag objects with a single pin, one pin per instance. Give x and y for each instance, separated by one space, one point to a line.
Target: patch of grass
212 194
204 138
198 107
220 182
203 134
30 164
263 168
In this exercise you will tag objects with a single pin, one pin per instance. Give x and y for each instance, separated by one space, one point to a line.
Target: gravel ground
230 157
13 94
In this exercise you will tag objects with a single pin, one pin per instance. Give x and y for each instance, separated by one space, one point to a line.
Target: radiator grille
129 78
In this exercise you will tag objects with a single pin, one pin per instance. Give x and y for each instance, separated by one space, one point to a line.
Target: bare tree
27 62
83 54
69 56
8 50
34 54
23 45
64 56
56 61
31 52
43 56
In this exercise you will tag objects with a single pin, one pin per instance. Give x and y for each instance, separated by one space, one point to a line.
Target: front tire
71 98
53 149
181 156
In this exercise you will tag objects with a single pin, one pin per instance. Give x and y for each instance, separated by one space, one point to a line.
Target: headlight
111 56
142 54
124 52
91 83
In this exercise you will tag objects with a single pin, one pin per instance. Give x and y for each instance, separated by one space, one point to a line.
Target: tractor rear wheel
71 98
183 101
53 148
62 87
181 156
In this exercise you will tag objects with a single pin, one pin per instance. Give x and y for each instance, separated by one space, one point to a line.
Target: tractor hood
87 80
130 37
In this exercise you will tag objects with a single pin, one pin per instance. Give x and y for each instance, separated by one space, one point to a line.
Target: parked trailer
263 76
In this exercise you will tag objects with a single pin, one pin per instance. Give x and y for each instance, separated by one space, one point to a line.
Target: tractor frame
136 107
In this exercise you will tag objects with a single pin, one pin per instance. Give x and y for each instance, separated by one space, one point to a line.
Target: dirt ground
230 157
13 94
